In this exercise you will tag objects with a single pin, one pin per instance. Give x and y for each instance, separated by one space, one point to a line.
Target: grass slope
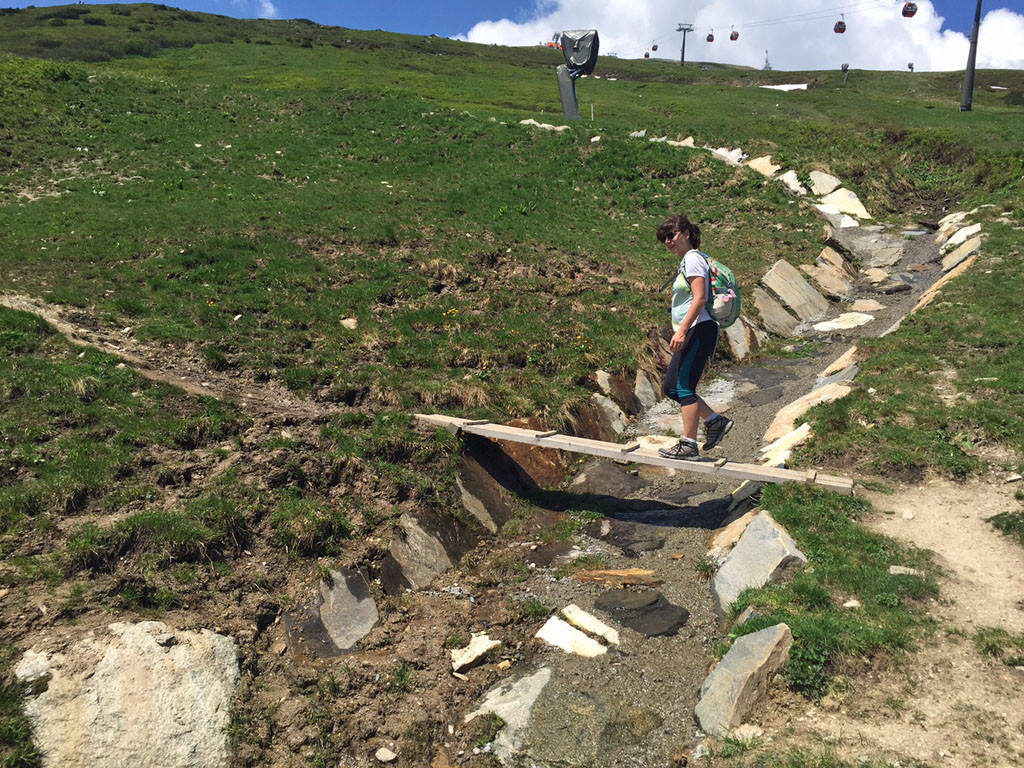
231 190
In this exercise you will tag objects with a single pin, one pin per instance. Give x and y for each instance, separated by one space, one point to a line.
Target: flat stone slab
831 282
764 165
646 612
479 646
886 257
764 554
845 322
847 202
513 702
961 236
347 609
960 255
605 478
590 624
823 183
876 275
725 538
775 318
833 258
862 243
146 695
866 305
786 282
563 635
741 679
785 418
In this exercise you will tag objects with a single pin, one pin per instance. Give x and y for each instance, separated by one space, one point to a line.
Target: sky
797 34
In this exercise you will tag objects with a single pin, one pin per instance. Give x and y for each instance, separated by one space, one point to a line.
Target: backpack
723 302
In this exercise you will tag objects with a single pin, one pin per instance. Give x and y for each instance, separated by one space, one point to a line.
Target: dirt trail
180 370
946 703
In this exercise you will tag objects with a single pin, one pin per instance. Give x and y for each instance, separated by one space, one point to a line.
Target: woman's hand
678 339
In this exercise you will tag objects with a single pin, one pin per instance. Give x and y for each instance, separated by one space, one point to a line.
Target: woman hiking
694 340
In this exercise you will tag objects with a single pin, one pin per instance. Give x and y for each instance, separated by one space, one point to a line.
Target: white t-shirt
692 265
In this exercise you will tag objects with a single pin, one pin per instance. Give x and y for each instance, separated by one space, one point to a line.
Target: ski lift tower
684 28
967 97
579 47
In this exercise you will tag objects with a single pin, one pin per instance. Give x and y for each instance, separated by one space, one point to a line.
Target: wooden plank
721 467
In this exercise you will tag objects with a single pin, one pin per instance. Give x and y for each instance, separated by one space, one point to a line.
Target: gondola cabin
647 54
840 27
909 9
734 36
654 47
711 37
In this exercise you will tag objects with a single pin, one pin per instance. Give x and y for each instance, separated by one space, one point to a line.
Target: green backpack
723 302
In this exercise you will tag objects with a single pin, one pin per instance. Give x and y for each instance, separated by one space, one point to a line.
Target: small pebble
908 515
385 755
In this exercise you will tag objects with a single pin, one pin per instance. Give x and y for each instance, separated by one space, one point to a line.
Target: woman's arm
698 290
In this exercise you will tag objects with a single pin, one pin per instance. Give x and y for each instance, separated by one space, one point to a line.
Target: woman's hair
679 223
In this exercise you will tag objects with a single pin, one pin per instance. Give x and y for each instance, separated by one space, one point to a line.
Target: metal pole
684 28
967 98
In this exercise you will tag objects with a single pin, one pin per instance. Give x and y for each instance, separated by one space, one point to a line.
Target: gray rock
611 416
893 286
831 282
347 609
786 282
902 570
790 179
886 257
748 614
862 243
488 482
849 373
513 702
740 681
424 546
776 319
764 553
743 338
646 612
123 700
646 390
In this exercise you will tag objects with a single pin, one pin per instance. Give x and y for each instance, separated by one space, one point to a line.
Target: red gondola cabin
734 36
839 28
711 37
909 9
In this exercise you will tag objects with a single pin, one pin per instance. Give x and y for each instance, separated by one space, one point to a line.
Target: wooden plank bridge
635 452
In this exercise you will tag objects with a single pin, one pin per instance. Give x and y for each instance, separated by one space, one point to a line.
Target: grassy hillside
226 192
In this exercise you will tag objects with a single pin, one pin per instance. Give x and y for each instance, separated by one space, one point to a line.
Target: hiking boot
681 450
715 430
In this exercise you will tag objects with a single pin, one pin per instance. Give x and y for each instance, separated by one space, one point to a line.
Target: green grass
16 747
1000 645
847 561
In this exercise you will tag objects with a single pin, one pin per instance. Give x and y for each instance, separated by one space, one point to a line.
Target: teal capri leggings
689 361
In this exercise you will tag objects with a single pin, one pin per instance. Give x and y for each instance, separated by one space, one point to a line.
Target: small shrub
311 527
95 21
806 672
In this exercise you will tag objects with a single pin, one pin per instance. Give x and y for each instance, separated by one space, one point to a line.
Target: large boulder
489 480
860 243
744 338
832 283
823 183
617 389
847 202
139 694
958 256
764 553
740 681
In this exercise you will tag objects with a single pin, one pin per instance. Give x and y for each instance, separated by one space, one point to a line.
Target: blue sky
878 37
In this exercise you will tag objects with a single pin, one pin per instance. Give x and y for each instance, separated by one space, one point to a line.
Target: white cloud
261 9
877 36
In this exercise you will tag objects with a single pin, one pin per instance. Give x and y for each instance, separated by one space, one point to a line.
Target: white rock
789 178
908 515
513 702
687 142
638 134
562 635
840 363
385 755
590 624
784 419
847 202
33 669
350 322
851 604
790 87
876 275
844 322
961 236
823 183
659 139
747 732
902 570
1014 478
124 700
479 645
594 139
